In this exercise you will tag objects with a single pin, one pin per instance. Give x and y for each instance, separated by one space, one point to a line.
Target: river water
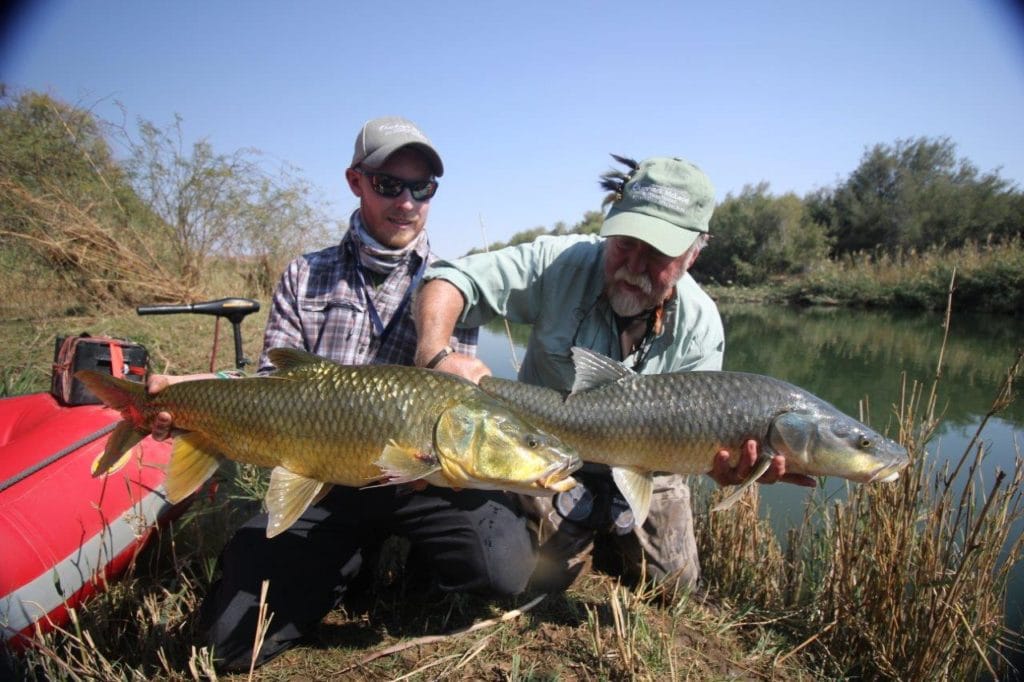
854 358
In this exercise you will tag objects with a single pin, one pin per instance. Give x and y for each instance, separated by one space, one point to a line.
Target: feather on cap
666 202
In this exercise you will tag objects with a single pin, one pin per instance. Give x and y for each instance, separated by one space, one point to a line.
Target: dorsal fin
594 370
288 360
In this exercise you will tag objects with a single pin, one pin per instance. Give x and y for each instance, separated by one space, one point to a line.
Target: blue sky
525 100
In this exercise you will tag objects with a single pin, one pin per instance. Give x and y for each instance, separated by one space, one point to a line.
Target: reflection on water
849 356
845 355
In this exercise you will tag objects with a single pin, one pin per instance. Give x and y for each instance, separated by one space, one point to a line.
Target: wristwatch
441 355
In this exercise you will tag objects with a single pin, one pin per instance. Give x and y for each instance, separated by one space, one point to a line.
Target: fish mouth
887 473
558 484
559 477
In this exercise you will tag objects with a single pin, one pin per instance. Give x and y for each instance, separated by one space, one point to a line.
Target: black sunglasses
389 186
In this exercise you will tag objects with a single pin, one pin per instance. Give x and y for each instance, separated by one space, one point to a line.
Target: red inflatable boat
64 533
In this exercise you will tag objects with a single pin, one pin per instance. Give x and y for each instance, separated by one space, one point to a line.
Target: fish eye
865 442
532 442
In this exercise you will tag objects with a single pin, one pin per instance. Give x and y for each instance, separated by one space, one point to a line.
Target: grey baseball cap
667 202
381 137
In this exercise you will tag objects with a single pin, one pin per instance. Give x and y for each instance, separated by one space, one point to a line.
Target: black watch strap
441 355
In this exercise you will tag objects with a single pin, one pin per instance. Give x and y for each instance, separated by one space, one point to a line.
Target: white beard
627 303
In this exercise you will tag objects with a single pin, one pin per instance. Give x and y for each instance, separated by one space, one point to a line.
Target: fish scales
318 423
677 422
665 422
330 425
672 422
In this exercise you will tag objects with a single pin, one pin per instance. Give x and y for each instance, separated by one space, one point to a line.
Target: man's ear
352 176
691 258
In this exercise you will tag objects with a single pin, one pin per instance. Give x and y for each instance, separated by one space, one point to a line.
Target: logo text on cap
401 128
666 197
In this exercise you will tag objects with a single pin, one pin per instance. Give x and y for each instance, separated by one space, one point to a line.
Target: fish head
482 444
820 443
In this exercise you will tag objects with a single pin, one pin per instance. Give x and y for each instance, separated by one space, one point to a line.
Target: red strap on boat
116 359
62 367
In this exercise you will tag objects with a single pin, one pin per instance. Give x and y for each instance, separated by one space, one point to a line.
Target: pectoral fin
791 434
636 486
400 464
193 460
118 448
288 496
762 466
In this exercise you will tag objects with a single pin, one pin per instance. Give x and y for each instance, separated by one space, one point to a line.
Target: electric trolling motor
233 309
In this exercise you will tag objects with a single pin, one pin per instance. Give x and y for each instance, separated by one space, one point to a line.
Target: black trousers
474 541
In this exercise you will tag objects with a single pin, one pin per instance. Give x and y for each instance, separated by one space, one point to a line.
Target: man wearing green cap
625 294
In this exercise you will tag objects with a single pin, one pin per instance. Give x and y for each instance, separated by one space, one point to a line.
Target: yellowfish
639 424
317 423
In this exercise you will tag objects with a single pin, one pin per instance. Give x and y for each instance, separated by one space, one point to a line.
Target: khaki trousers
663 550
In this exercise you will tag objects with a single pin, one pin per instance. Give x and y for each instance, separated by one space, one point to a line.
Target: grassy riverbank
900 581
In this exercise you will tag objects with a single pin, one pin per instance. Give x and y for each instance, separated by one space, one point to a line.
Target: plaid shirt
320 305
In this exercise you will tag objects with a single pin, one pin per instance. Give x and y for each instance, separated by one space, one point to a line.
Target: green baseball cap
667 202
381 137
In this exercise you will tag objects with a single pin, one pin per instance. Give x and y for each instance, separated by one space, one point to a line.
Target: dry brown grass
104 265
599 630
177 344
899 581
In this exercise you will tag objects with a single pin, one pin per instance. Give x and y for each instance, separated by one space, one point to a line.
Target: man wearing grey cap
625 294
351 303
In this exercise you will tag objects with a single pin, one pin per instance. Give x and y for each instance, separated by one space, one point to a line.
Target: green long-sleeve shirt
555 285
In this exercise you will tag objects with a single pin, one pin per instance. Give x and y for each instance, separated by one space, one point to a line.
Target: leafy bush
916 194
756 237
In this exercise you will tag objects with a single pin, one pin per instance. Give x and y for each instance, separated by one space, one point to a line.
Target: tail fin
126 397
119 394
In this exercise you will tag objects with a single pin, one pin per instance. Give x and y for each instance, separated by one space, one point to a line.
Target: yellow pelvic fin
287 498
193 460
400 464
762 466
636 486
323 493
118 448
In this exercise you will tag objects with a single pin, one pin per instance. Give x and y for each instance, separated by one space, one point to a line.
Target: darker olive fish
317 423
640 424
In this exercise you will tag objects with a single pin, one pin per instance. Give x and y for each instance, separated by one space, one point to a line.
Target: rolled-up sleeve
508 282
